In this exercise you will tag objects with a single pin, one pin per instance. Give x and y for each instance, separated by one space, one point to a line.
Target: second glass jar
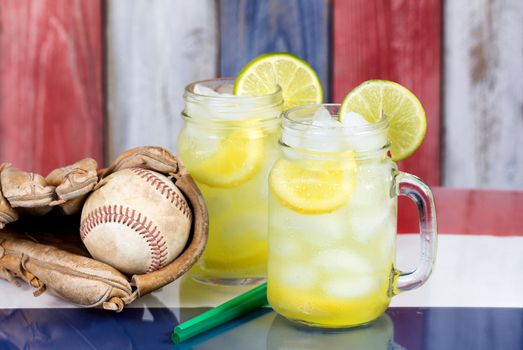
332 221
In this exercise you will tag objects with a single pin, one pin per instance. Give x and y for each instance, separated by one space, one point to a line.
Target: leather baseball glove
40 240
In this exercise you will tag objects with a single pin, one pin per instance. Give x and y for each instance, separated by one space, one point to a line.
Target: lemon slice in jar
223 161
313 186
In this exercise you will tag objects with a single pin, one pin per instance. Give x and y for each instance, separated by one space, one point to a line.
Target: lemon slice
228 162
299 82
313 186
407 120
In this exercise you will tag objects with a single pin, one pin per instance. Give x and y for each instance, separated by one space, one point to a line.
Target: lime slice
228 162
406 115
299 82
313 186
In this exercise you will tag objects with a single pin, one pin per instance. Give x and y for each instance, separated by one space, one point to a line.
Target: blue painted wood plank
249 28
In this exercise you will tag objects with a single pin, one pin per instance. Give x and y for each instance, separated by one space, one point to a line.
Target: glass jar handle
411 186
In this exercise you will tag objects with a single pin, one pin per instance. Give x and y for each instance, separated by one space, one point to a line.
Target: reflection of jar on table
285 335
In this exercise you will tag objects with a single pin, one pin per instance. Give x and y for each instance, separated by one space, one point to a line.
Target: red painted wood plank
465 211
394 40
50 83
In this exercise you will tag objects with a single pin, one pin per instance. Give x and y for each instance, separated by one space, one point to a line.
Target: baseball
137 222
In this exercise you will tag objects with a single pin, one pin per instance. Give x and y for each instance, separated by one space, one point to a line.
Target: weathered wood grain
470 211
483 109
154 49
249 28
50 83
394 40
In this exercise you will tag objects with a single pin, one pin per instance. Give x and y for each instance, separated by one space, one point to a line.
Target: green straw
236 307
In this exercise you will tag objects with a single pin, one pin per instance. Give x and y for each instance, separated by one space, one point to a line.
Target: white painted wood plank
462 275
154 49
483 99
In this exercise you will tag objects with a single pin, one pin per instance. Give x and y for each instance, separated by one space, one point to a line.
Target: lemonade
333 207
228 144
332 220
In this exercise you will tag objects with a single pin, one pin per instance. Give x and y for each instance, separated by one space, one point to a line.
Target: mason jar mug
332 221
228 144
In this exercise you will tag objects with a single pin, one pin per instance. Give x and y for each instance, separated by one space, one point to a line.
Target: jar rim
301 134
229 107
361 155
189 92
289 121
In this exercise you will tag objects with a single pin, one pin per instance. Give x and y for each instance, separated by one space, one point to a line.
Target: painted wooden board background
154 49
483 106
249 28
393 40
51 64
50 82
470 211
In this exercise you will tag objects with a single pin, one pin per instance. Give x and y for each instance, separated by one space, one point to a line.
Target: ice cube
357 140
343 259
294 139
225 89
350 287
322 117
201 89
353 119
223 105
201 143
202 110
283 247
319 230
297 275
325 133
373 183
322 233
366 142
366 224
370 205
216 108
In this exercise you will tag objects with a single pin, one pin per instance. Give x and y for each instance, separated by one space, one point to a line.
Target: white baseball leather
138 221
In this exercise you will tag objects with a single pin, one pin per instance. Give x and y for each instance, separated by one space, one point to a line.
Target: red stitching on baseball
140 224
164 189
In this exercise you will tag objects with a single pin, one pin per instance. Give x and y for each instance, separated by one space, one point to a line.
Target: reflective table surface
399 328
473 300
